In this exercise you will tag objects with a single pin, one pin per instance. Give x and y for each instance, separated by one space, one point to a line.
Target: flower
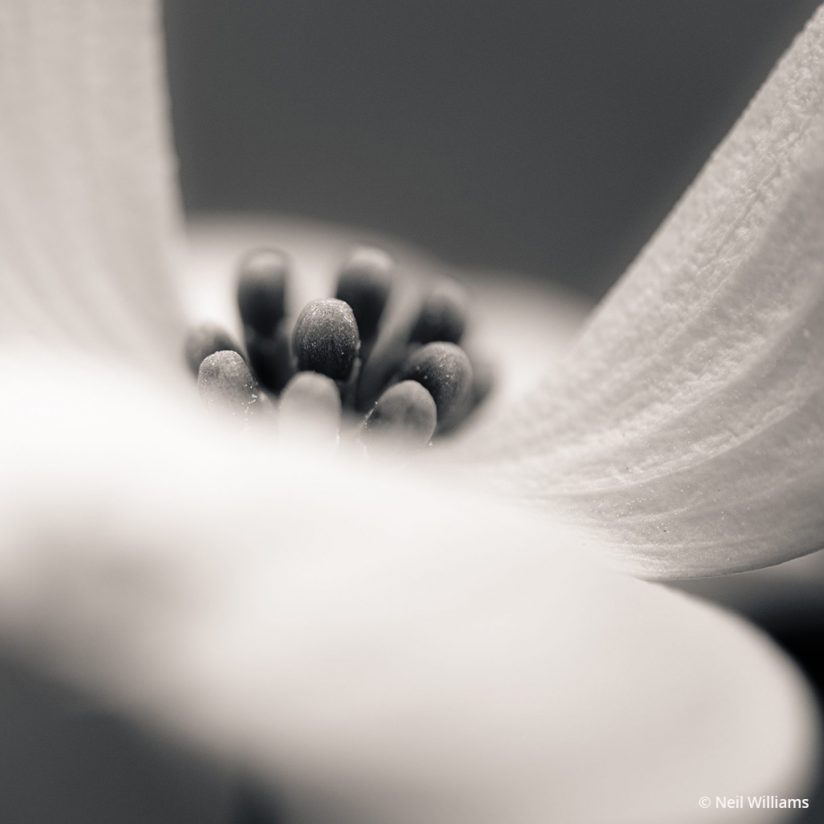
433 642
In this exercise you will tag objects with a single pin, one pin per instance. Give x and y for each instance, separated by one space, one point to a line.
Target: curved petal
340 628
88 205
688 422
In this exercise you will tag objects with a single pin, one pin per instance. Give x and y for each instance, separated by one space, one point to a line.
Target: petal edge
688 422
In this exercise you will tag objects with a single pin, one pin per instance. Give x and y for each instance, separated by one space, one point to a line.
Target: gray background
549 137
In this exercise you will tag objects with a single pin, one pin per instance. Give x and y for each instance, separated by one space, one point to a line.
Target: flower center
340 357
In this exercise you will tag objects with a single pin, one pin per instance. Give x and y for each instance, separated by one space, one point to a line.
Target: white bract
442 640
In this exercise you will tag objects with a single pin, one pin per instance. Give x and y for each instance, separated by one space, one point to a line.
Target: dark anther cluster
409 379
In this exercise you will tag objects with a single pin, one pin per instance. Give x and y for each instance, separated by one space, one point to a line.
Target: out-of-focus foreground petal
88 202
380 644
688 423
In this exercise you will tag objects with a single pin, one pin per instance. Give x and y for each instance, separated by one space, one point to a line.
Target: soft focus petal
688 423
88 205
382 645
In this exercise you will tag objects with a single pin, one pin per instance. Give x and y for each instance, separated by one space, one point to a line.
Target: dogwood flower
453 638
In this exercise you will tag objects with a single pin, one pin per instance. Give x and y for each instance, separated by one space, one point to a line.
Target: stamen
445 371
415 384
224 381
205 340
364 283
261 290
407 412
442 316
311 401
271 358
326 338
483 379
483 382
262 283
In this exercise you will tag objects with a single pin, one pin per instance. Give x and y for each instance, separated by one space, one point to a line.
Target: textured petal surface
688 424
382 645
88 203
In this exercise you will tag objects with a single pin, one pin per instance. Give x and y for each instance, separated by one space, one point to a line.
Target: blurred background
545 137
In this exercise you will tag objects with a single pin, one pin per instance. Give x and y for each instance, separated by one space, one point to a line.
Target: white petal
88 206
398 649
688 424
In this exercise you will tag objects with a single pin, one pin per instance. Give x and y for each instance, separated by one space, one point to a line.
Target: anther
365 282
445 371
224 380
401 363
311 402
407 412
442 316
205 340
326 338
271 358
483 380
261 290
